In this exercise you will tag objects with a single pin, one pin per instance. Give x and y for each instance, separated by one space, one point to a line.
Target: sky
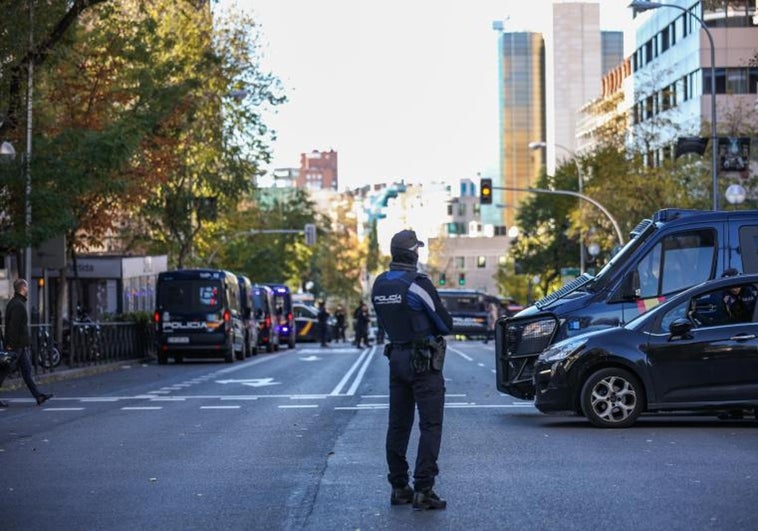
401 89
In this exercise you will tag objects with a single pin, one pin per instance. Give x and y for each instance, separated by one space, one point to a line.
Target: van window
677 262
189 295
462 302
749 249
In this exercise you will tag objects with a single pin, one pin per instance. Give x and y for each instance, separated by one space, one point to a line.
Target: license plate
182 340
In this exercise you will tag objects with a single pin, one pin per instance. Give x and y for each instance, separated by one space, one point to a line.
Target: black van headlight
562 350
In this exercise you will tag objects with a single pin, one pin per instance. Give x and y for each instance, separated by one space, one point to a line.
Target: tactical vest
390 299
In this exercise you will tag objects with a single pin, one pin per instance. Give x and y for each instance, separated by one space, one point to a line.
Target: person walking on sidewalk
18 340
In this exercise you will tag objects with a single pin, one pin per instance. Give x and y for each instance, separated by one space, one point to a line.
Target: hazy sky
401 89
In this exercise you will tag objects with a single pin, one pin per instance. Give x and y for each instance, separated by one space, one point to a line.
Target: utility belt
426 354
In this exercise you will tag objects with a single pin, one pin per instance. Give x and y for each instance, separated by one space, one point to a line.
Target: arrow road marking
310 358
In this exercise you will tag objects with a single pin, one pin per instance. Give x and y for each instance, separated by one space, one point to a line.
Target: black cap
405 240
731 272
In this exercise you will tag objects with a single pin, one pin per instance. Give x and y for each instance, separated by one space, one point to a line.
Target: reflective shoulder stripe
423 295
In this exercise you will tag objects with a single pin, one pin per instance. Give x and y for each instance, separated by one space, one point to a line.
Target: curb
67 374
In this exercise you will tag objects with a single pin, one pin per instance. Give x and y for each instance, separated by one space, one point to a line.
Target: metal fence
90 343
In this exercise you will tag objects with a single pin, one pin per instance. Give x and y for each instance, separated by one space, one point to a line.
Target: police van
468 308
198 313
672 251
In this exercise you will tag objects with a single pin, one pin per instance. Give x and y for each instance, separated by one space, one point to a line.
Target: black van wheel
612 398
178 358
229 356
269 347
162 359
292 341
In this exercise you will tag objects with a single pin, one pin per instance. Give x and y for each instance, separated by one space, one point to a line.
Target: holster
421 356
388 350
438 346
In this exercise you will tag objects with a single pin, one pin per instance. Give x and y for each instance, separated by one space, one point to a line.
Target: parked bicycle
47 353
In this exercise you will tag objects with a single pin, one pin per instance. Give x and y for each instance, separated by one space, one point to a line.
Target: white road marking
361 373
63 409
239 398
97 399
167 399
299 406
311 358
141 408
251 382
461 354
343 382
220 407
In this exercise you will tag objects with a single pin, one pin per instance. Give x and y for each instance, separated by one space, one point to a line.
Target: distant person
18 341
492 316
361 322
323 323
339 316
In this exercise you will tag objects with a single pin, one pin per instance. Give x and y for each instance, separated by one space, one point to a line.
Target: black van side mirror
630 286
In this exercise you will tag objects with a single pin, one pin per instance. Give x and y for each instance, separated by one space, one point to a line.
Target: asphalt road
295 440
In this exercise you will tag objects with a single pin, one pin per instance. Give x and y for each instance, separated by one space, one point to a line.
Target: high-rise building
318 170
522 117
544 82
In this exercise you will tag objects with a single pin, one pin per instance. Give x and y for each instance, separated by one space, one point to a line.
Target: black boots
427 499
401 496
41 399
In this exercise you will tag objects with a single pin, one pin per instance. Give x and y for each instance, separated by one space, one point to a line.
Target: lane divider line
336 391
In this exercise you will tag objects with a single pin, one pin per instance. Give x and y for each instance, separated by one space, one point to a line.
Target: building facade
318 170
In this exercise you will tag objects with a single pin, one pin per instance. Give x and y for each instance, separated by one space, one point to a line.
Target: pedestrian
323 320
339 316
18 340
492 316
361 322
410 310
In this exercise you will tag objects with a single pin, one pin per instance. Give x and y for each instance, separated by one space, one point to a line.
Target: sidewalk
63 373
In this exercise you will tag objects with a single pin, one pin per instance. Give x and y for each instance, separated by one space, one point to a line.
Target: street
295 440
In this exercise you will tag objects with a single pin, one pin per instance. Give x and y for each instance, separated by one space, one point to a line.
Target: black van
285 317
468 308
265 314
674 250
198 313
248 316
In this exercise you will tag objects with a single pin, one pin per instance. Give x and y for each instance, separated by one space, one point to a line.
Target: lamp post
539 144
645 6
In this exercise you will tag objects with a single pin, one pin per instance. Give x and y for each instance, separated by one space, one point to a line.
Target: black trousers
24 362
409 391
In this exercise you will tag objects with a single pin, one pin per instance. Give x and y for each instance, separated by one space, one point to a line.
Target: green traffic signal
442 280
462 279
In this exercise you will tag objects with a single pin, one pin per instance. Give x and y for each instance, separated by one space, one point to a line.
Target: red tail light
157 317
268 322
289 316
227 316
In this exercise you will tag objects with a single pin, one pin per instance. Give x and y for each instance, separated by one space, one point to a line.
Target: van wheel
229 356
269 347
178 358
276 347
612 398
162 359
292 341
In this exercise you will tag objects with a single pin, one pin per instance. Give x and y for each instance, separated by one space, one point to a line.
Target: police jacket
16 325
408 306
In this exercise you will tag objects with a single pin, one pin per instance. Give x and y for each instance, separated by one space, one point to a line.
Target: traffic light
461 279
443 280
485 192
310 234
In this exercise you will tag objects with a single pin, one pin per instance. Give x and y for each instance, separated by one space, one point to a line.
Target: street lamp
538 144
645 6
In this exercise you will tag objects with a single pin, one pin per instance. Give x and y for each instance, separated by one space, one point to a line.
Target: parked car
285 320
198 313
306 323
248 317
265 314
667 254
692 352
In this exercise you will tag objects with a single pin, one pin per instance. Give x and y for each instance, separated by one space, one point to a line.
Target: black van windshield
608 271
462 302
190 295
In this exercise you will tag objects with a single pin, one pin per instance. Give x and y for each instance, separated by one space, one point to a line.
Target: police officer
409 309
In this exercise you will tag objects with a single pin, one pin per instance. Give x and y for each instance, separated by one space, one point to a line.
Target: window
736 81
502 260
460 262
672 31
481 262
677 262
665 39
648 51
461 209
449 209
